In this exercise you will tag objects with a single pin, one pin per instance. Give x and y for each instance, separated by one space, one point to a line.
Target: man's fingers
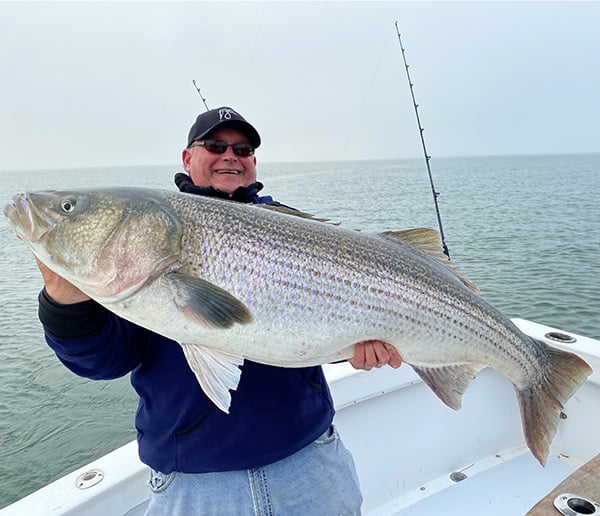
395 360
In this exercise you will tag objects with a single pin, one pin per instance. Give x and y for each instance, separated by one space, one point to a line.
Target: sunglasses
243 150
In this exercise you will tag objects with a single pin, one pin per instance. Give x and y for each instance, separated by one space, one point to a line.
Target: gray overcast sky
109 83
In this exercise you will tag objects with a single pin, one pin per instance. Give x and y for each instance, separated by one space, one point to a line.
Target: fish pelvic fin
449 382
217 372
541 403
206 303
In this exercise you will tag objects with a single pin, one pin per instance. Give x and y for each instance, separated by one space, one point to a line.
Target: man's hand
375 353
58 288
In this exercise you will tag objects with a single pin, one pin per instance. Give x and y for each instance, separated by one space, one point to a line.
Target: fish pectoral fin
217 372
206 303
449 382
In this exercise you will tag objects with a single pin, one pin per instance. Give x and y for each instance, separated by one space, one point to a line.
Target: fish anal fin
217 372
206 303
429 242
448 382
542 403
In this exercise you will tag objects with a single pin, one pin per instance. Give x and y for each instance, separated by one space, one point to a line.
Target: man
276 452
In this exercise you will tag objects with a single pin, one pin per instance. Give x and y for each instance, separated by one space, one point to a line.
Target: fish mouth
27 221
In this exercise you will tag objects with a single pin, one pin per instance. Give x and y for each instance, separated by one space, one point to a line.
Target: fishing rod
200 93
435 193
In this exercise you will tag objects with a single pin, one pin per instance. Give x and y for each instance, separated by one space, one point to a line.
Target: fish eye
67 205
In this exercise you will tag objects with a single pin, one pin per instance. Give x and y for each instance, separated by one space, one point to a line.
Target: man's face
226 172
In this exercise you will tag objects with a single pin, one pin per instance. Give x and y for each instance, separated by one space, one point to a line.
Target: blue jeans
319 480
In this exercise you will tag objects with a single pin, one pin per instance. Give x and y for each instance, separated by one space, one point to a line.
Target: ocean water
525 229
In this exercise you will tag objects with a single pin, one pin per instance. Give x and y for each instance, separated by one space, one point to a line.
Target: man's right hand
58 288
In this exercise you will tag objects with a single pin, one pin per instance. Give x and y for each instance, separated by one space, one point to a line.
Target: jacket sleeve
91 341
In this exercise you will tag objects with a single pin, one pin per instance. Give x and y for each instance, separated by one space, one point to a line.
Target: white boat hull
414 455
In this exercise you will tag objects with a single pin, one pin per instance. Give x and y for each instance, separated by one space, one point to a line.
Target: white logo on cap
226 113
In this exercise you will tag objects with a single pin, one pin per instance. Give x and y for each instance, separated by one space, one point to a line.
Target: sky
110 83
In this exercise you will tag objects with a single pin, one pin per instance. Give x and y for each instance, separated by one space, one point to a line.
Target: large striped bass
231 281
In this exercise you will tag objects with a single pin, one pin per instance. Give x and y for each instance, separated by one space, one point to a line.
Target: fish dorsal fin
428 241
448 382
296 213
206 303
217 372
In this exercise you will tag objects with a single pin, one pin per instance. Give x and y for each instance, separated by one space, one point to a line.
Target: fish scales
282 246
291 244
231 282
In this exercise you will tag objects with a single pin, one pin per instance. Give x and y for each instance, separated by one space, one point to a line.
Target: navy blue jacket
274 412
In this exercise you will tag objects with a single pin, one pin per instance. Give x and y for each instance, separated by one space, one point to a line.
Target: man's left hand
375 353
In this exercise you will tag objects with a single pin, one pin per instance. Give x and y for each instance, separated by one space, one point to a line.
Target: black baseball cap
222 117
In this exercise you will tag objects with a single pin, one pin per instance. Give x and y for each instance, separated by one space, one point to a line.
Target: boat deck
506 486
408 446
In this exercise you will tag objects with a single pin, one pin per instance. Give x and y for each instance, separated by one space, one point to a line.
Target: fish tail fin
541 404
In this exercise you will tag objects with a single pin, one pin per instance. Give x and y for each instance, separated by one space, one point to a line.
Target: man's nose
229 154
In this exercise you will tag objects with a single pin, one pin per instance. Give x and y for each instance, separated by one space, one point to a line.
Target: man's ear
186 156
